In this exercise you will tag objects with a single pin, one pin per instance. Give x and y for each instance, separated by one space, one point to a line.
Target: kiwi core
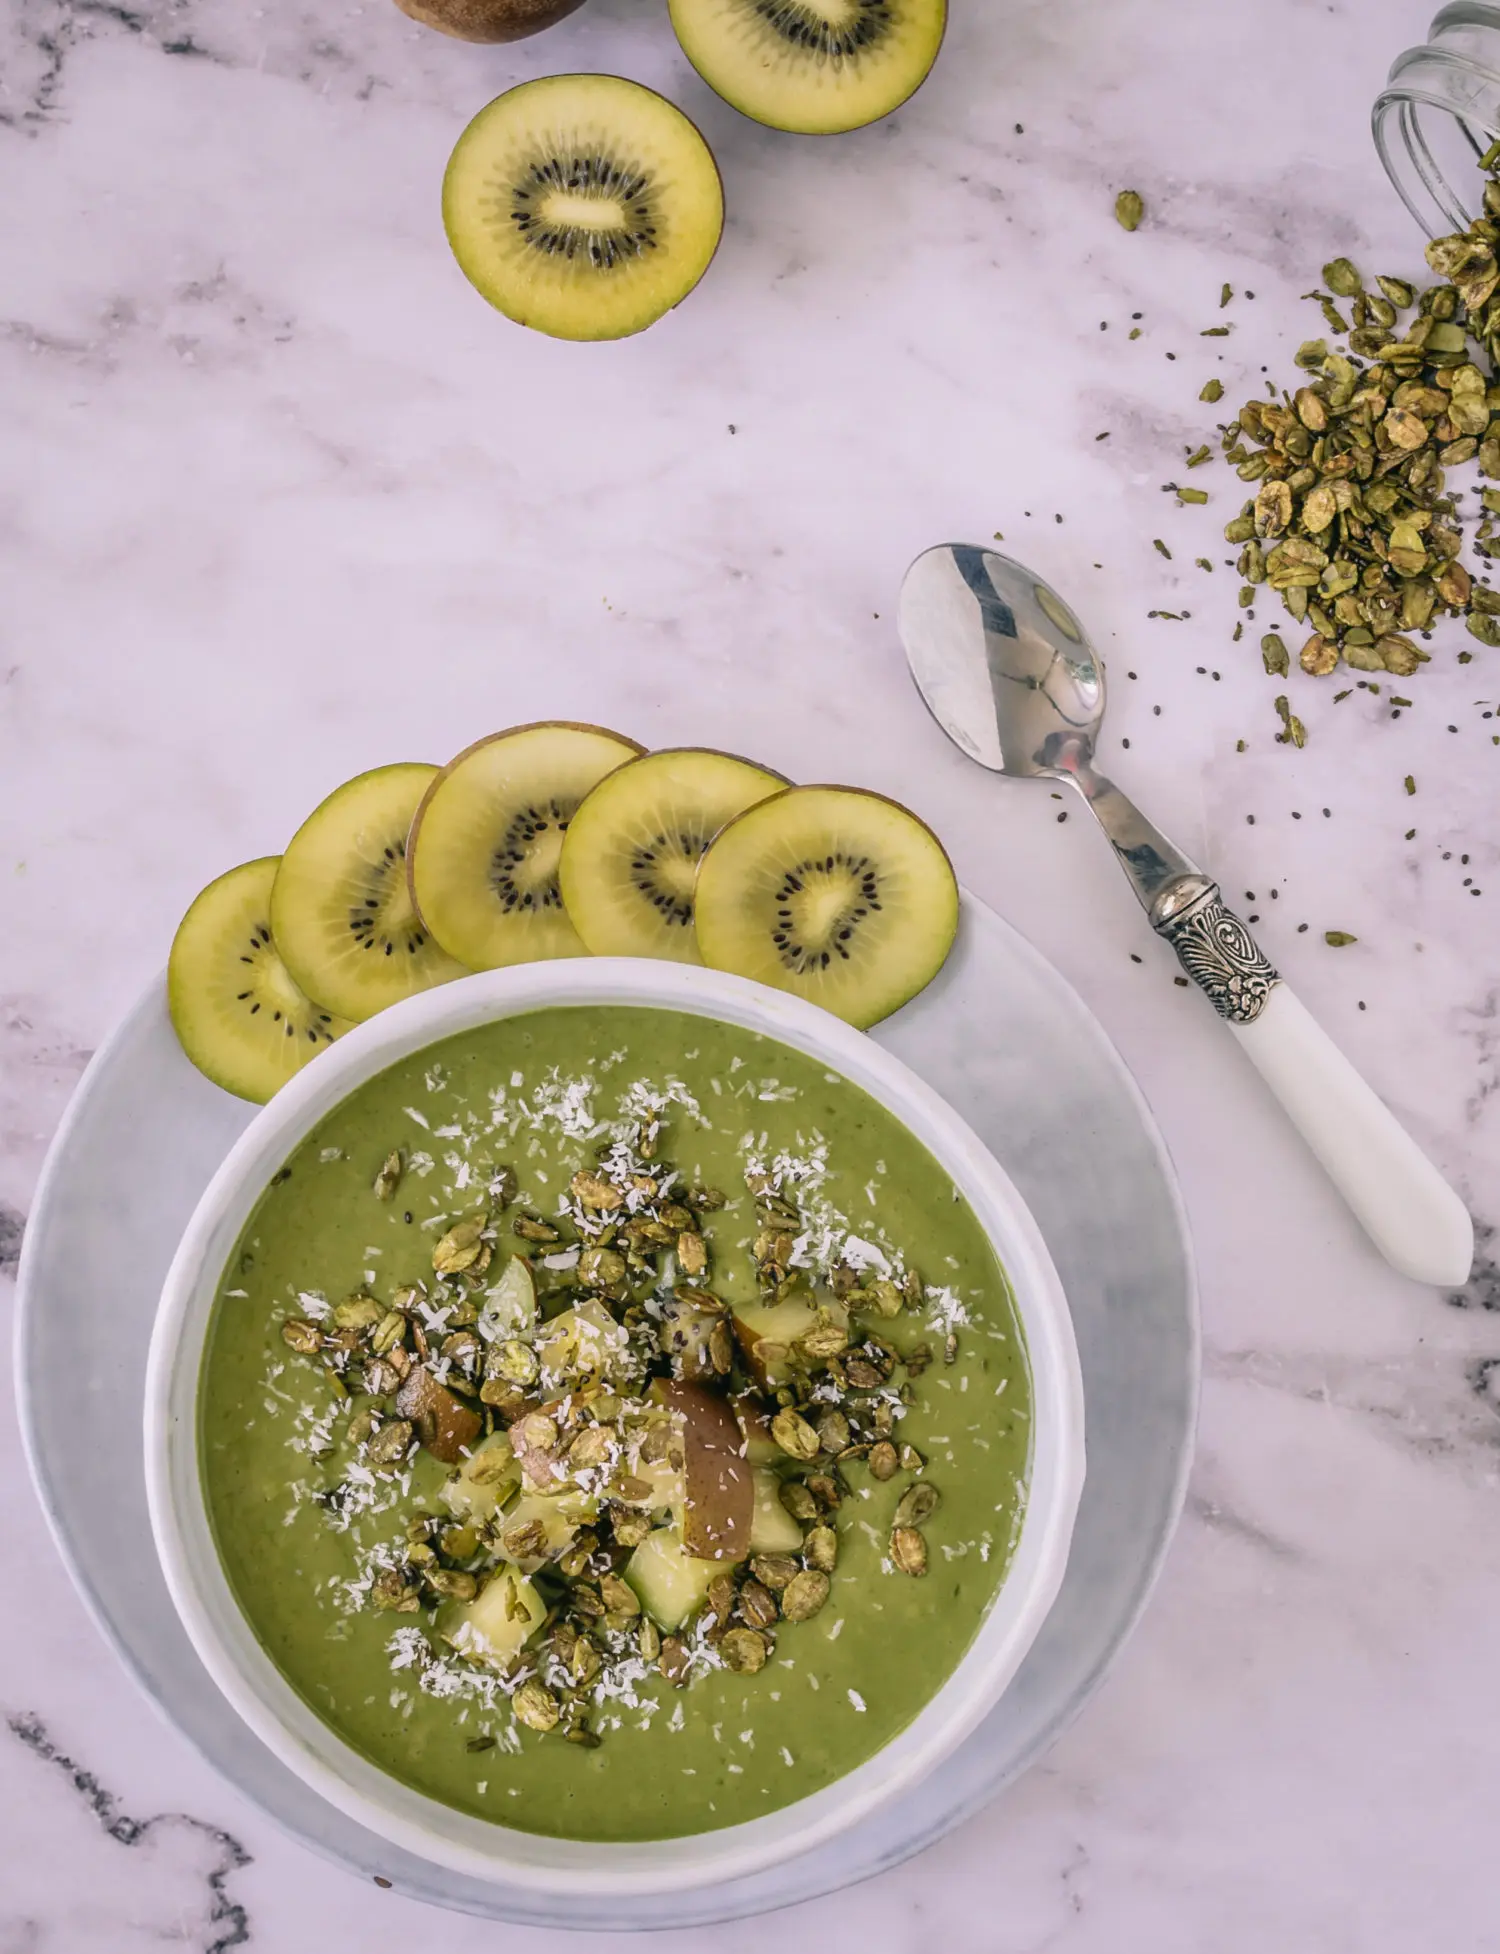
523 872
273 990
587 207
665 870
828 27
383 918
819 907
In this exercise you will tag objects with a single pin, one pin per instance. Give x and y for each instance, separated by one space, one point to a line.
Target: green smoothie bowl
610 1426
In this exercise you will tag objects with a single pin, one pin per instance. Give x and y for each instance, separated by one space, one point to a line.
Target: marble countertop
281 499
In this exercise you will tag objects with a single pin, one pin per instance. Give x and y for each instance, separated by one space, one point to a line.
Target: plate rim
133 1021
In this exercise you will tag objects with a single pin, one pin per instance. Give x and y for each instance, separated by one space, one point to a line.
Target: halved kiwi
841 896
484 847
813 66
583 205
633 848
341 911
237 1012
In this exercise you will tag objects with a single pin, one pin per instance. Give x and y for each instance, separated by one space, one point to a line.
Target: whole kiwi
488 20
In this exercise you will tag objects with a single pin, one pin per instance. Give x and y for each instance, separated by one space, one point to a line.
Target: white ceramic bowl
273 1710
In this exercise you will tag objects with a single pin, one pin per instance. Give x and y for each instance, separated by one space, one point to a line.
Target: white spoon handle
1408 1210
1405 1206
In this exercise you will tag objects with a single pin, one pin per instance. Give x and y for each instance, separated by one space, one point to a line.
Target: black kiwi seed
364 914
864 898
805 27
673 907
513 851
261 952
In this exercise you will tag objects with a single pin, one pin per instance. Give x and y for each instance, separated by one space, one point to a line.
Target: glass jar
1439 113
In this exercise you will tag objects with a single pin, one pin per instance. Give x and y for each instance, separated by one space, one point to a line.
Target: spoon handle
1405 1206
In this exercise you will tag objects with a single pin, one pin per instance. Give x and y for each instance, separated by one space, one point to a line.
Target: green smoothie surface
703 1217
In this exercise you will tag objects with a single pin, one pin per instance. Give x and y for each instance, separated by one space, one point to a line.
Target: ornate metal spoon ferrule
1215 948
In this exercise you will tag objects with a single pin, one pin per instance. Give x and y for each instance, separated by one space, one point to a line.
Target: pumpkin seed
794 1435
1130 208
595 1192
918 1504
390 1444
601 1268
531 1228
394 1592
774 1571
534 1705
833 1431
909 1550
451 1583
692 1253
618 1596
744 1650
884 1460
674 1661
461 1247
804 1595
758 1605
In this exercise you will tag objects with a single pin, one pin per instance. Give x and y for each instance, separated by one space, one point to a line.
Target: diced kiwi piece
766 1332
668 1485
509 1308
584 1343
341 911
485 842
497 1624
238 1012
772 1528
671 1584
485 1480
633 848
841 896
541 1526
813 66
584 206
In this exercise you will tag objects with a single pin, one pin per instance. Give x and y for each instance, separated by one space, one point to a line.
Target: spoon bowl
1001 662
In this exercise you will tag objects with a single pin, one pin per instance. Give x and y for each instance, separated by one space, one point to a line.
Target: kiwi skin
528 726
488 20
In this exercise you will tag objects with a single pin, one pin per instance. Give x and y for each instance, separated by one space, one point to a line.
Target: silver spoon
1008 672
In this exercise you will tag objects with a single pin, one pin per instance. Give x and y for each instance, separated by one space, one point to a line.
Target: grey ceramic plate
999 1035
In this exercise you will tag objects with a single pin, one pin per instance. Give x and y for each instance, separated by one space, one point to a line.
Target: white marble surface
281 499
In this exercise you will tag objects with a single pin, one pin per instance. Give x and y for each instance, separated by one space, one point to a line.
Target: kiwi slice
814 66
237 1011
633 848
484 846
842 896
341 911
582 205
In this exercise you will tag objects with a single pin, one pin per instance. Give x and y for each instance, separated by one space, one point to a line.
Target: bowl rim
267 1702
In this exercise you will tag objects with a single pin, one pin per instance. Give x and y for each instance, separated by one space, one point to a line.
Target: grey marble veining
280 499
